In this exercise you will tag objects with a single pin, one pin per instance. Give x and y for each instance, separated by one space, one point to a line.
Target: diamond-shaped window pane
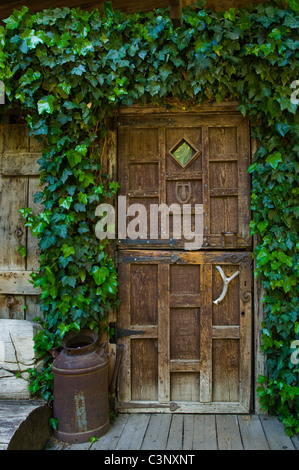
183 153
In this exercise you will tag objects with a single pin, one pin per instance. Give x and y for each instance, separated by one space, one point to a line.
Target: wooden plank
275 433
260 357
204 433
177 107
128 6
185 387
226 363
12 230
217 192
185 365
15 138
164 334
184 300
24 163
183 257
206 184
11 306
33 251
144 369
206 334
175 437
17 282
162 165
176 12
244 183
252 433
295 441
150 331
228 433
110 440
133 432
228 332
157 432
183 120
245 299
188 432
180 407
124 380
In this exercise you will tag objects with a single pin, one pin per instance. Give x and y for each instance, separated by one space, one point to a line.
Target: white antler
226 281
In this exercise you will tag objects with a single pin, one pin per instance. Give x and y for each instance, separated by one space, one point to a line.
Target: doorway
187 312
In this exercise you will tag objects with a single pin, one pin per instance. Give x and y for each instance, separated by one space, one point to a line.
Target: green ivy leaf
274 159
100 274
66 203
46 104
50 275
74 157
83 198
67 250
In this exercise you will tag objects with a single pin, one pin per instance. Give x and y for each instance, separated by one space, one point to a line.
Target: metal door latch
117 332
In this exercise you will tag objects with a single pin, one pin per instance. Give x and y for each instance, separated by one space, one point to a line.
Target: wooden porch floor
189 432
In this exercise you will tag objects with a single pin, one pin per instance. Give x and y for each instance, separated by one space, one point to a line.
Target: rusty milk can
80 372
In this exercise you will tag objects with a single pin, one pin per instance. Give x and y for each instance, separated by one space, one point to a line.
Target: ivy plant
68 69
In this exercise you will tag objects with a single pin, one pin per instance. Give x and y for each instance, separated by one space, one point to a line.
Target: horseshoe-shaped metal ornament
226 281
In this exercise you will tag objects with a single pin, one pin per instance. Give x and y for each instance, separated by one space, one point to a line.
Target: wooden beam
127 6
17 282
176 12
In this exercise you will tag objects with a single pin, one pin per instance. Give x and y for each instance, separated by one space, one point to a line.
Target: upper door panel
184 160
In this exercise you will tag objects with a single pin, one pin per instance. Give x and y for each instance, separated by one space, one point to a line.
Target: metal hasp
80 372
117 332
226 281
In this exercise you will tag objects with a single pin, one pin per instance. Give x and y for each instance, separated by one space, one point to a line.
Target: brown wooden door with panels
187 311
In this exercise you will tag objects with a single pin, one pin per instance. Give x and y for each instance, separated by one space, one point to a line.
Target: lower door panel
189 316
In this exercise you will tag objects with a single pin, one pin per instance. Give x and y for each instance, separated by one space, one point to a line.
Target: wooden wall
19 181
128 6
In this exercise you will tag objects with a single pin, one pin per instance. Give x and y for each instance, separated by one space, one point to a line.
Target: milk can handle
101 349
55 352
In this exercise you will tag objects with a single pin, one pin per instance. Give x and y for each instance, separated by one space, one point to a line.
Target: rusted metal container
81 388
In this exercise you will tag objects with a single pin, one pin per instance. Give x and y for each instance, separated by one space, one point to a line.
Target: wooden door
19 181
189 312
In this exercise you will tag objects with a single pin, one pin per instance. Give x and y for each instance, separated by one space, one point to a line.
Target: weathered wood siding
19 181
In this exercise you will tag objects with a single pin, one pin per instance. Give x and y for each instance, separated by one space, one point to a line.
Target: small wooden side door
185 353
19 181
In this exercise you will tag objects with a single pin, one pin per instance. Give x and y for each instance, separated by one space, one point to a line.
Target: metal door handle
226 281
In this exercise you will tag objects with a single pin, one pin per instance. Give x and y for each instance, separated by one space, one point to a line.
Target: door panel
188 159
194 355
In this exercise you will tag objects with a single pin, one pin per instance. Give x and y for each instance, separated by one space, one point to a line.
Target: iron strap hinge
173 258
115 332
